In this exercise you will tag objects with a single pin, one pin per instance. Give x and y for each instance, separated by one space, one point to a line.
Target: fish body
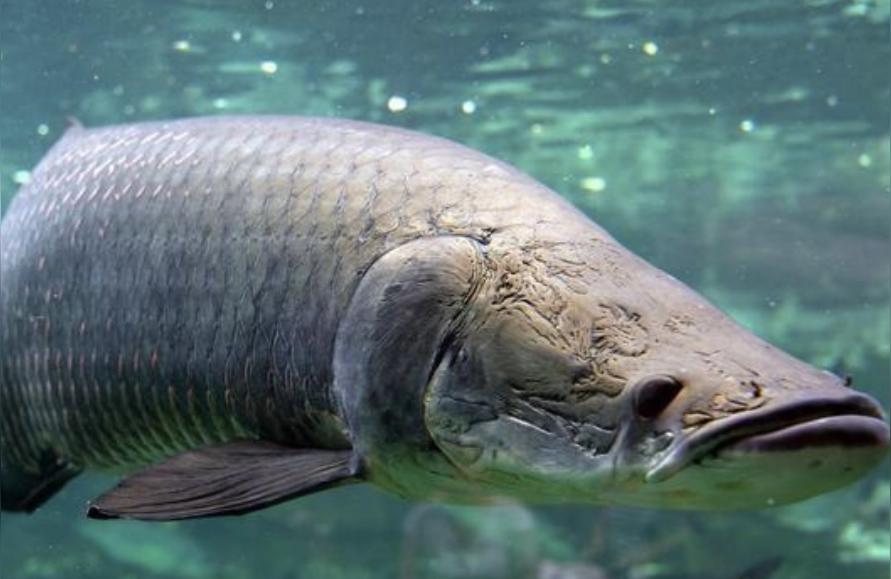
176 284
344 301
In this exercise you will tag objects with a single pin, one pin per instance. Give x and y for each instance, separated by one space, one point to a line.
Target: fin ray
227 479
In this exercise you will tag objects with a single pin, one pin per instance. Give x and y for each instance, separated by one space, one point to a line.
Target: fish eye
653 395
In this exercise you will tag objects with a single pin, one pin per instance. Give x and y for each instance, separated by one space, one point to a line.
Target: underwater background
742 146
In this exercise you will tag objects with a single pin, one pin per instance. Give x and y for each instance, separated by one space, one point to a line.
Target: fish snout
845 422
853 421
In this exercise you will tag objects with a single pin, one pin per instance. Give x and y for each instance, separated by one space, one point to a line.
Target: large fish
238 311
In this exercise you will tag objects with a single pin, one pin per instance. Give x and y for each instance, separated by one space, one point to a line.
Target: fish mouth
853 421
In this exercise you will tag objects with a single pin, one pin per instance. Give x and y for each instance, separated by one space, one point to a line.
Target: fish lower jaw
846 431
849 422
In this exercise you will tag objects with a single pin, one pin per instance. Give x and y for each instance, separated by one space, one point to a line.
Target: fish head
621 385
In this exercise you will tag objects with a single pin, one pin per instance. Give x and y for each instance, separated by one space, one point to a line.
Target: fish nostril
653 395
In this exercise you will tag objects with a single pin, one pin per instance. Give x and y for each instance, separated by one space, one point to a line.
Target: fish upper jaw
854 420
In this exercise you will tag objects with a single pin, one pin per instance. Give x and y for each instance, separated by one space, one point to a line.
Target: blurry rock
445 542
552 570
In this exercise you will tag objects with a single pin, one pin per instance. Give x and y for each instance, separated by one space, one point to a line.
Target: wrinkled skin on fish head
614 383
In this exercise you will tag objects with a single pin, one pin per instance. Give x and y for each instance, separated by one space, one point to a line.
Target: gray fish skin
170 285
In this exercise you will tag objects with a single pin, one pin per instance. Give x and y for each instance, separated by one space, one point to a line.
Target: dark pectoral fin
229 479
23 490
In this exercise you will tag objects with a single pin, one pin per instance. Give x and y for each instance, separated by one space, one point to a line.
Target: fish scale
190 254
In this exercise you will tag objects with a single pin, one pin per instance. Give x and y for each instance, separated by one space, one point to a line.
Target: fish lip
848 430
769 420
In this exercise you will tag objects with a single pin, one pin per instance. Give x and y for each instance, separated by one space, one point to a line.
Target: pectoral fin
229 479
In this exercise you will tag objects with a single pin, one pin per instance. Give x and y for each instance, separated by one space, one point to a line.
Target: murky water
742 146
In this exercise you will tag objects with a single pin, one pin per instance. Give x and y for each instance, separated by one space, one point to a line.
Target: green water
742 146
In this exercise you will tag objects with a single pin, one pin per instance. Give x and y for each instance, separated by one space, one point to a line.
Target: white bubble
397 104
220 103
269 66
650 48
864 160
747 126
21 177
182 46
712 111
468 107
594 184
42 129
269 5
236 35
832 100
585 152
